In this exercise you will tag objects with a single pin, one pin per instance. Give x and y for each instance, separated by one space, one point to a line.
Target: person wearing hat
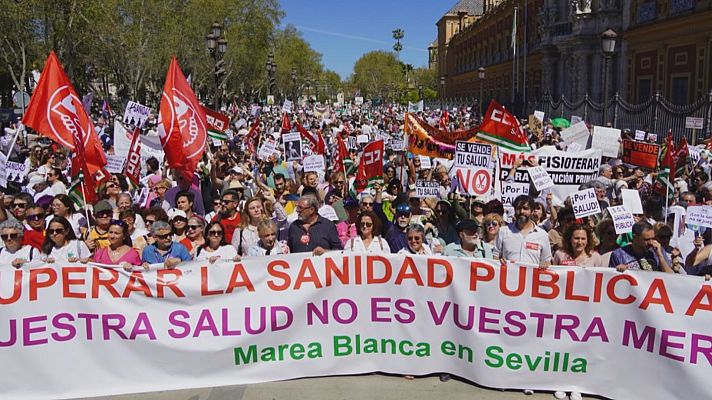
445 222
395 235
179 221
98 236
38 187
478 209
471 234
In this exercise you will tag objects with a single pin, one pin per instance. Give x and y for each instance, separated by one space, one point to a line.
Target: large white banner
76 330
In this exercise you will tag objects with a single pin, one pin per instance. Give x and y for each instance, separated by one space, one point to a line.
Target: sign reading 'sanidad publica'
293 316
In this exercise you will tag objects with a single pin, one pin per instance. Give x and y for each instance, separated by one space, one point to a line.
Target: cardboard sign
270 101
631 200
360 139
573 147
314 163
539 115
510 191
425 189
425 162
540 178
358 100
576 134
699 216
652 137
292 146
622 219
640 135
268 148
606 139
640 154
397 144
585 203
473 155
115 163
287 106
135 114
694 123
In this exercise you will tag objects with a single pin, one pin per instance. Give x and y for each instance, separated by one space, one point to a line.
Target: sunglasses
104 214
118 222
215 233
226 201
19 205
415 239
150 221
193 227
58 231
367 224
10 236
164 237
216 203
110 186
35 217
367 204
493 224
180 219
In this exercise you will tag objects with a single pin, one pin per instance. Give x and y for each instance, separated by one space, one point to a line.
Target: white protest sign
268 148
510 191
585 203
473 168
699 216
360 139
631 200
540 177
694 154
425 162
577 133
135 114
622 219
314 163
292 146
575 119
606 139
415 107
255 110
151 147
287 106
270 100
653 137
15 172
397 144
573 147
351 143
115 163
473 155
425 189
358 100
639 135
3 171
694 123
539 115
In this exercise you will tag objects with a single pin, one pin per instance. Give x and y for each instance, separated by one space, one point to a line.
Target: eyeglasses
367 224
215 233
400 215
492 224
415 239
58 231
19 205
149 221
226 201
35 217
110 186
193 227
10 236
179 219
104 214
216 203
164 237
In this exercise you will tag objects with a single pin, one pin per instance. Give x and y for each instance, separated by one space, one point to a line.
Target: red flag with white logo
286 124
133 159
55 111
340 153
370 167
502 128
317 145
182 124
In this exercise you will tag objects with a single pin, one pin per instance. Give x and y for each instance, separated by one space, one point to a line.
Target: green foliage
378 74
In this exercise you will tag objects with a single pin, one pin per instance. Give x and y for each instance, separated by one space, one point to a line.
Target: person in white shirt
368 227
61 244
522 241
267 245
11 232
215 247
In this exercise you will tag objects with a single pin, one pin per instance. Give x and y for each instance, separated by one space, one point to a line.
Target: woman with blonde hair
492 223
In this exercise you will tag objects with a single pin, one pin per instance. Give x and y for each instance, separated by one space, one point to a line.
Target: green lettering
492 352
268 354
242 358
448 348
514 361
296 351
578 365
342 346
405 347
422 349
315 350
370 346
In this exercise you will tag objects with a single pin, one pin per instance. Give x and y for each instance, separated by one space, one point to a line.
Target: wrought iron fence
657 114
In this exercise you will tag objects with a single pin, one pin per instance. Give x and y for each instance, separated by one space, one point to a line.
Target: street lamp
481 76
217 46
442 87
271 70
420 92
294 83
608 46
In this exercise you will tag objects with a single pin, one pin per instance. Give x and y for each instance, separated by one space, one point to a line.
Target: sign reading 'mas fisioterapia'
293 316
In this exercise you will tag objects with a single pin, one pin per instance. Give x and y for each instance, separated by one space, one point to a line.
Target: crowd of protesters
238 206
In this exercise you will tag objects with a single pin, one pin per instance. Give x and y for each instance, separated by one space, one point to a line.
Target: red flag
370 168
666 174
182 124
317 145
55 111
500 127
252 134
133 159
682 153
444 121
340 153
286 124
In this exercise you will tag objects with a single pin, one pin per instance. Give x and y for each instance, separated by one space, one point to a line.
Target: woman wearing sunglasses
61 244
119 251
215 247
415 235
369 239
62 206
11 232
194 235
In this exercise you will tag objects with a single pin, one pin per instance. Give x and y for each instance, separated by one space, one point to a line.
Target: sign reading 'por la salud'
276 318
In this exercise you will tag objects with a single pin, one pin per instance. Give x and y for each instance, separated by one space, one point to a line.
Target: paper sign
473 155
640 153
694 154
425 189
512 190
622 219
640 135
606 139
652 137
270 100
314 163
266 150
631 201
362 139
255 110
576 134
425 162
351 143
14 172
694 123
540 177
287 106
135 114
292 146
585 203
358 100
474 181
699 216
397 144
115 164
539 115
575 119
573 147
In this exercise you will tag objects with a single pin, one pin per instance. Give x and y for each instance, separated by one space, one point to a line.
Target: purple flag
86 102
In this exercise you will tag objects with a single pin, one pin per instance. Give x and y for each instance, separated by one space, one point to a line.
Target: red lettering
611 288
475 266
271 269
162 283
538 284
35 283
658 285
67 282
433 263
239 278
705 294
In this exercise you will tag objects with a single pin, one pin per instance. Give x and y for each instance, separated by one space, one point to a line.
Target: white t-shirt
25 252
378 245
226 253
73 248
511 244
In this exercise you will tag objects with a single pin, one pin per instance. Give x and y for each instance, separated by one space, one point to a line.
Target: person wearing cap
38 187
522 241
395 235
445 222
471 234
179 221
477 209
98 236
347 228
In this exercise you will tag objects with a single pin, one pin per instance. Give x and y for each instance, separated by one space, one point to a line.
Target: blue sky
342 31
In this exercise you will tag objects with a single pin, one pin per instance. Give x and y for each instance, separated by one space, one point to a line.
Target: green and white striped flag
75 191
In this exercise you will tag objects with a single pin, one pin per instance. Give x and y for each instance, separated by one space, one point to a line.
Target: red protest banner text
641 154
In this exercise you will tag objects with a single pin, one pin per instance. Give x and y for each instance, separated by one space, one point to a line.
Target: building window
680 90
645 89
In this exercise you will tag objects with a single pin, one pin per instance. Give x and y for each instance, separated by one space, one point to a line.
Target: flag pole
86 209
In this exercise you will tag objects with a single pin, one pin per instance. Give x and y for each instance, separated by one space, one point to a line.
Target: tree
291 51
377 73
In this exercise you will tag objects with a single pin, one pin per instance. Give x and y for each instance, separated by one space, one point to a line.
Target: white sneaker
575 396
528 391
560 395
